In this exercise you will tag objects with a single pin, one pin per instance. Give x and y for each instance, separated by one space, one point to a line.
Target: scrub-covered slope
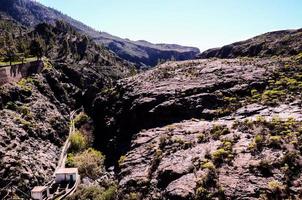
206 129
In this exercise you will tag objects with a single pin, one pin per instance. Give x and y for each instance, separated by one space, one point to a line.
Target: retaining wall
10 74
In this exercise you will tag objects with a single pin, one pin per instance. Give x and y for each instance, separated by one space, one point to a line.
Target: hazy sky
201 23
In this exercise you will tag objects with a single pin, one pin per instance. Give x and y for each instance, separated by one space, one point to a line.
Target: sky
201 23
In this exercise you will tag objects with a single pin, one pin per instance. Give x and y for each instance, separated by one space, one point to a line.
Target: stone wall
14 73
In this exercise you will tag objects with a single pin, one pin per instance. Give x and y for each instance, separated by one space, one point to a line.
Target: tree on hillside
10 55
36 49
82 47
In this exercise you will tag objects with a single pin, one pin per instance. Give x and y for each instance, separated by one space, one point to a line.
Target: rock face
142 53
201 129
177 91
198 130
282 43
32 130
34 110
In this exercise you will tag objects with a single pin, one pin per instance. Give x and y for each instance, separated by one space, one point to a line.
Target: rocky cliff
197 129
281 43
206 129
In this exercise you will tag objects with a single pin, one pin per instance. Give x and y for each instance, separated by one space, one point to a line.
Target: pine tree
36 48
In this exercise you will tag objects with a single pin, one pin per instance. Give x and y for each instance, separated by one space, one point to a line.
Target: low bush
208 165
81 119
275 141
11 106
78 142
24 110
257 143
121 160
70 160
201 138
90 163
276 186
95 192
219 155
219 130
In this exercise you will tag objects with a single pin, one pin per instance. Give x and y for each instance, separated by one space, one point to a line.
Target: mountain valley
222 124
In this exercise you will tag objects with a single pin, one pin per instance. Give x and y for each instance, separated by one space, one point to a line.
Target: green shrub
219 155
95 192
275 141
201 138
11 106
178 140
121 160
26 125
258 139
90 163
134 196
257 143
24 84
276 186
208 165
78 142
219 130
202 193
70 160
109 194
25 111
299 56
81 119
164 141
272 96
255 94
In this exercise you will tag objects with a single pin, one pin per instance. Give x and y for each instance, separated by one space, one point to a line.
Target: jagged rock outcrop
32 132
278 43
205 129
176 91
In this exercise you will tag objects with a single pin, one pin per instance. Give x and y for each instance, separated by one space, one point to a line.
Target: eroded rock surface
177 91
204 129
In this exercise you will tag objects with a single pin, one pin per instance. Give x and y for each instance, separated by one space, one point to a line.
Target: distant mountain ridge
279 43
142 53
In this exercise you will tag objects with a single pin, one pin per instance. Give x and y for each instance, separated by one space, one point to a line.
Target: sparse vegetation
90 163
208 165
95 192
11 106
219 155
277 189
121 160
207 186
257 143
78 142
219 130
201 138
134 196
80 119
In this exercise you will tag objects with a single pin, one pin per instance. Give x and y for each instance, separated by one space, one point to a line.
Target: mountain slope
206 129
31 13
35 111
283 43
